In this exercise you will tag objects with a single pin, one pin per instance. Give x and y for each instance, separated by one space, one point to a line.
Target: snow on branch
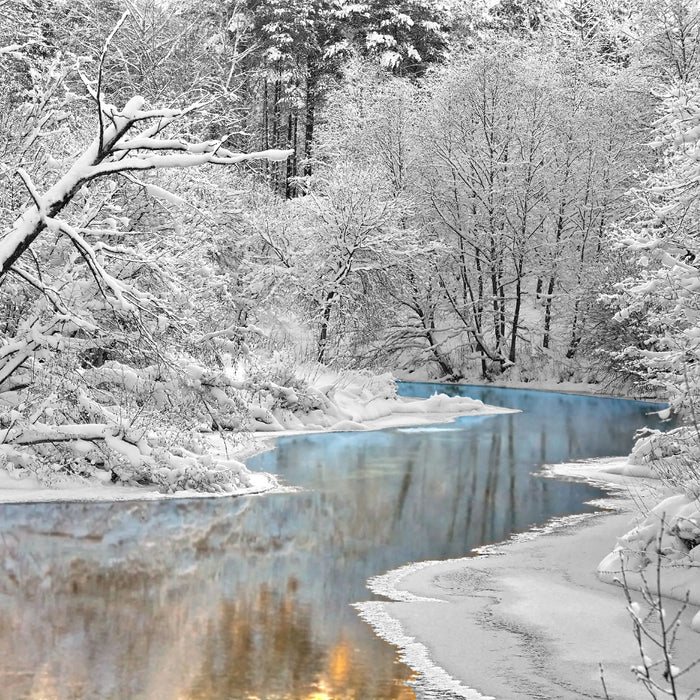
114 152
116 149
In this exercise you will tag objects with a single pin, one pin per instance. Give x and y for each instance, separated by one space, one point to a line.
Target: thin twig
100 70
602 681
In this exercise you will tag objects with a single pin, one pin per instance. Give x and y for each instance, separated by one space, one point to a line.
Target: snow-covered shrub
673 456
133 423
294 392
365 383
655 631
668 538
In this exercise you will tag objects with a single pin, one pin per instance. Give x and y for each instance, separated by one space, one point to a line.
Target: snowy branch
106 156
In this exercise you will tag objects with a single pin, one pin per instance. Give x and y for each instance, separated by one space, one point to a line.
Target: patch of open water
250 597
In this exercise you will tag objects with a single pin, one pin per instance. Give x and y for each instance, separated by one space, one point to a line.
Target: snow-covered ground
531 618
352 407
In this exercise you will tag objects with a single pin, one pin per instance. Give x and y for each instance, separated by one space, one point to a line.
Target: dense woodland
197 198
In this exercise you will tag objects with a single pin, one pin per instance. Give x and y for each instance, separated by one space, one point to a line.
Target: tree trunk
292 124
516 313
429 328
479 307
502 304
495 305
265 124
310 121
575 335
552 280
325 323
548 312
276 171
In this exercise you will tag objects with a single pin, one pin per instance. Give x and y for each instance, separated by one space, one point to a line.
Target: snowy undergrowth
328 399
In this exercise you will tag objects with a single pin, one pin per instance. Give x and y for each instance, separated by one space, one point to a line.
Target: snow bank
668 537
99 488
661 552
326 400
433 680
348 412
537 620
376 408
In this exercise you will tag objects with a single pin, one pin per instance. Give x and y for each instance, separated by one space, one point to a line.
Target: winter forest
198 198
226 217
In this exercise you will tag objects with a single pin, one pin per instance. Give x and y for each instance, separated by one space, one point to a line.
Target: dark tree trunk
548 312
552 279
310 123
265 124
429 328
575 334
516 314
479 307
325 323
495 304
291 173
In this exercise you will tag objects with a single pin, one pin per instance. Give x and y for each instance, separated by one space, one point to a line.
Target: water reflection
248 598
173 602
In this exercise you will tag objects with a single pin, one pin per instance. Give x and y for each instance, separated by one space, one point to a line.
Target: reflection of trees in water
182 640
183 610
448 494
101 634
272 653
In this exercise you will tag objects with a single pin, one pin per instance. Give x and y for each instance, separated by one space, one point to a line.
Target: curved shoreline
535 622
23 491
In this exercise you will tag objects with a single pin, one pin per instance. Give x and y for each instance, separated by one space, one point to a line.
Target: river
250 597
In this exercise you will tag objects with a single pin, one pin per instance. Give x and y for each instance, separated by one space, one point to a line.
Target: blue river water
250 597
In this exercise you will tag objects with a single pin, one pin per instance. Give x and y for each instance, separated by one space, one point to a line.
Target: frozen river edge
527 618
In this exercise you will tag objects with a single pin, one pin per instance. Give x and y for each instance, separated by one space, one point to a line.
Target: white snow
415 654
695 623
28 490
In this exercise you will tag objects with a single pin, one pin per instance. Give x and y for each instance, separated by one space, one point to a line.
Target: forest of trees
197 197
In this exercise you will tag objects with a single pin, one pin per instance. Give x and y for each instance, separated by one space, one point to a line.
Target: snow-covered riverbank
353 408
530 617
554 386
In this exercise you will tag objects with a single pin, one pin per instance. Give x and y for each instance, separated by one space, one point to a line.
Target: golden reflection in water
110 637
274 655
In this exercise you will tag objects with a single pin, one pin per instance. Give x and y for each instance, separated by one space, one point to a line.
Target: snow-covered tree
374 119
668 39
404 36
662 300
299 50
520 16
523 166
95 366
339 250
